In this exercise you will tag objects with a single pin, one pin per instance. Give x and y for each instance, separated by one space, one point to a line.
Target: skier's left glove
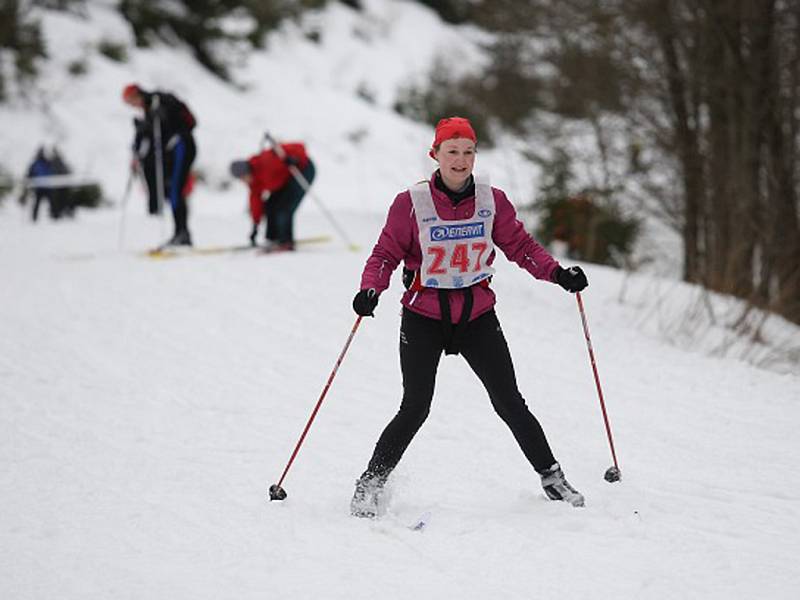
572 279
365 302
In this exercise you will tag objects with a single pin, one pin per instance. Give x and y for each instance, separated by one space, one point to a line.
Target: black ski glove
572 279
365 302
254 234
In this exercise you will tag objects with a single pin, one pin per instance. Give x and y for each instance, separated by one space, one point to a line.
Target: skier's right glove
365 302
572 279
254 234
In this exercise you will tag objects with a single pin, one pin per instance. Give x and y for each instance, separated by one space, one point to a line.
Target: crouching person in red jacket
277 186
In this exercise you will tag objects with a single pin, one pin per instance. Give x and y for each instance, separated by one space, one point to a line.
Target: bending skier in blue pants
168 118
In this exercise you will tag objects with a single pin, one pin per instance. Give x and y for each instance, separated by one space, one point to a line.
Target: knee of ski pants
413 414
509 406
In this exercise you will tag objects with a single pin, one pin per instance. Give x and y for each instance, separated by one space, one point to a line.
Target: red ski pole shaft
319 402
596 376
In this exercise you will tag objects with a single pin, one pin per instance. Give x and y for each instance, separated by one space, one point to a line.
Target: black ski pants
484 347
58 198
282 204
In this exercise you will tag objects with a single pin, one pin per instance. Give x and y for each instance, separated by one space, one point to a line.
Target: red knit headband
453 127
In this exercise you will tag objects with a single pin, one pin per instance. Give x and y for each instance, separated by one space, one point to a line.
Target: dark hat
240 168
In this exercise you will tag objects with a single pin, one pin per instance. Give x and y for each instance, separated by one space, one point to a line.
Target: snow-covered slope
148 405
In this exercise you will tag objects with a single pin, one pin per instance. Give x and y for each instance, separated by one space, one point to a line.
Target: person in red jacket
277 186
446 231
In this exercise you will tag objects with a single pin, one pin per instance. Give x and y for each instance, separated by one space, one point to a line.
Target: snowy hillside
148 405
299 89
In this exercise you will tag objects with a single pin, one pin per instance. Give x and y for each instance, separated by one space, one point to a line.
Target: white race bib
455 254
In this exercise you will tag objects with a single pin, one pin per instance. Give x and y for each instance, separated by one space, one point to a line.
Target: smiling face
456 158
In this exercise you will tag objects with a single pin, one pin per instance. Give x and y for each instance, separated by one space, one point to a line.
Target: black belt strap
452 335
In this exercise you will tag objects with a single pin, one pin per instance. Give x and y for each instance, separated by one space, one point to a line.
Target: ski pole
123 206
158 151
307 187
276 492
612 473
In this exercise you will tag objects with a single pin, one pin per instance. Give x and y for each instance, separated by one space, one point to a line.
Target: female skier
445 231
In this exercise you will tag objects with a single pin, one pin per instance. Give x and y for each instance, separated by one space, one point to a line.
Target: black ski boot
181 238
557 487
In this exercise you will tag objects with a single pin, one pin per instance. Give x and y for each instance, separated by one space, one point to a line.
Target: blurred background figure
46 179
166 132
275 192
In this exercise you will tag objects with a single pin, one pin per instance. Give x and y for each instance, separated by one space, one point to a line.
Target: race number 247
460 258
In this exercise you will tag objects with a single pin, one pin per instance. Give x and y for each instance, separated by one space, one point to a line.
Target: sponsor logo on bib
462 231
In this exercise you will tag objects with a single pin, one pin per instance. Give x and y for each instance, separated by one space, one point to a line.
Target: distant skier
168 118
445 231
275 192
47 163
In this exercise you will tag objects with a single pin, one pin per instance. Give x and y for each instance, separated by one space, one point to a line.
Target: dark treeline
196 23
714 87
728 86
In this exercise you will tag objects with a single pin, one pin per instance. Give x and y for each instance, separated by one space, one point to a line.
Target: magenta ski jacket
399 242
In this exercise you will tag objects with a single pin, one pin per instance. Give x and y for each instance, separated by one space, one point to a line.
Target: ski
167 252
178 251
57 181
